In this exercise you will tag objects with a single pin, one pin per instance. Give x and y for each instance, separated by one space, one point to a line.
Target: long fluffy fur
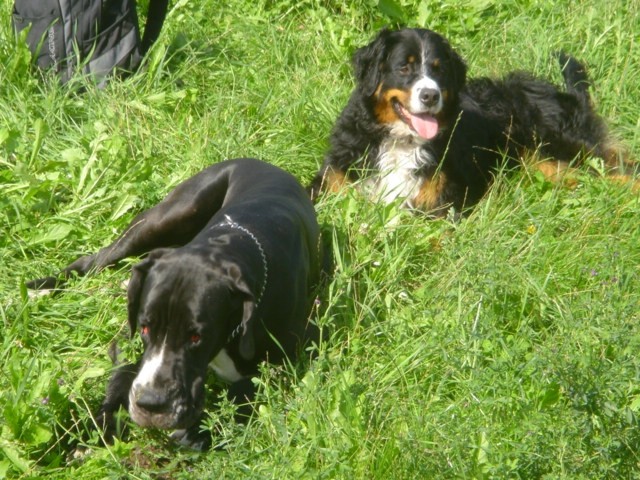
482 124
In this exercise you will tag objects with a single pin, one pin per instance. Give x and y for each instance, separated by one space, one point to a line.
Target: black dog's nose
429 96
152 401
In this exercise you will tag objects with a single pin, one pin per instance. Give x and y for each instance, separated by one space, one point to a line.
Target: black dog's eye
404 70
195 338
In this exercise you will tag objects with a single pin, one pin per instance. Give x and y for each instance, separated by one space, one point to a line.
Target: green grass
504 346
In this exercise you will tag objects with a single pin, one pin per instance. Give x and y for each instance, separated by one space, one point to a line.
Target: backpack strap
155 18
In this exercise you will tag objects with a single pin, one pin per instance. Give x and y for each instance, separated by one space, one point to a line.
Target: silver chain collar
265 266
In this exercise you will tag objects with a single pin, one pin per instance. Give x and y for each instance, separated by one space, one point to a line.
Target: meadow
504 345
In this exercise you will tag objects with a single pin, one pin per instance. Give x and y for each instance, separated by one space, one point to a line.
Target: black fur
235 289
482 124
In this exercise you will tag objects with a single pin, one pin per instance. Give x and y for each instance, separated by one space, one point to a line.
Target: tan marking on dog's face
383 109
428 198
411 59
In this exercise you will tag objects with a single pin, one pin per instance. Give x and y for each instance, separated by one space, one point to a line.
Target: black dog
435 141
238 291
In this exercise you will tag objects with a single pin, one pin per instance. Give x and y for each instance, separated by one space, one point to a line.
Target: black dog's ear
246 347
368 63
138 276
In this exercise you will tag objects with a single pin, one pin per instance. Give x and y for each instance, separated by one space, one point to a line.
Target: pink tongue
424 125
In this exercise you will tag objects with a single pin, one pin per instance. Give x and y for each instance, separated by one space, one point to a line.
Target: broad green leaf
15 457
123 206
39 434
392 10
54 233
91 372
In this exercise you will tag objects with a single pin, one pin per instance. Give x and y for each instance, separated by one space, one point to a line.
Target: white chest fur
398 162
225 368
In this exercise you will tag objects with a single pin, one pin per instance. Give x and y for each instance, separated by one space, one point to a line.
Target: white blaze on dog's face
425 98
150 368
183 311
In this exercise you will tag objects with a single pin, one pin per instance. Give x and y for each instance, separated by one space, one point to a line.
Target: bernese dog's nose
429 96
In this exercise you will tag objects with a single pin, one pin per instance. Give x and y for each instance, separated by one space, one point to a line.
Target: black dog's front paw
242 394
193 437
80 267
117 397
111 424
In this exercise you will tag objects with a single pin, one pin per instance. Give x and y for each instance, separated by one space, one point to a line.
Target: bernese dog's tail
615 155
575 77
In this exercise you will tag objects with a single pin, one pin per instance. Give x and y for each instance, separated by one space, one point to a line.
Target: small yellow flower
531 229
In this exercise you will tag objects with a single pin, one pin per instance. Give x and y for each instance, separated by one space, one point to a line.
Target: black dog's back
238 187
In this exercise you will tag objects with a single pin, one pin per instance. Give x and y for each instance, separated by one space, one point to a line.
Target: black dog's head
184 308
413 78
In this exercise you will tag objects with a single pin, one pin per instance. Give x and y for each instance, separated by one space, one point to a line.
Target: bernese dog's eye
195 338
404 70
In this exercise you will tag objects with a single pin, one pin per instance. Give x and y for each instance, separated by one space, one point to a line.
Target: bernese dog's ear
458 68
368 61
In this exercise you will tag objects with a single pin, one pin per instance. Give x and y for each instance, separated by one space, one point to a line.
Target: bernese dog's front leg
434 198
329 178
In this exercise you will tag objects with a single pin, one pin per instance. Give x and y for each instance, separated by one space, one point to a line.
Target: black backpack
100 36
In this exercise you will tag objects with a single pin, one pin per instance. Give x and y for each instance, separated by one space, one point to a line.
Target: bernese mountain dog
415 130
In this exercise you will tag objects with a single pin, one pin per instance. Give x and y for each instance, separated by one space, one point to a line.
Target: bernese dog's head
411 79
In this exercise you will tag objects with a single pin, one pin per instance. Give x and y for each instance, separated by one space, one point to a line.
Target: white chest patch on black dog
225 368
398 163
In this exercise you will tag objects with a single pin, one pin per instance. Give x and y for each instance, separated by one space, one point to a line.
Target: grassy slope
504 346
